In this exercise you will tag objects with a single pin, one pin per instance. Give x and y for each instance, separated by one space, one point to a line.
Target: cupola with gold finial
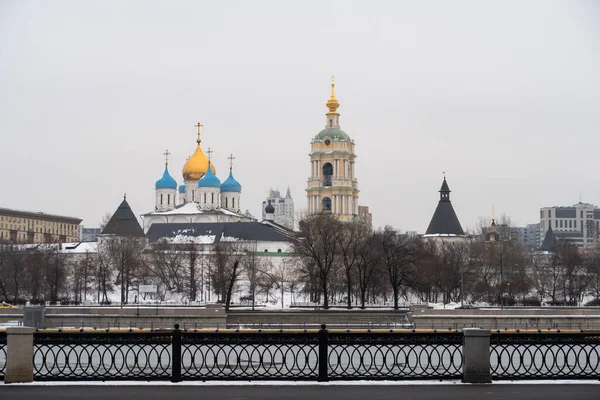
332 128
332 103
197 165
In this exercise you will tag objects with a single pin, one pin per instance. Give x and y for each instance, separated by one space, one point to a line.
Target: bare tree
319 241
398 253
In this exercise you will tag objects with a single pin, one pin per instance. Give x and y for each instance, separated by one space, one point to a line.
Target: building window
330 122
327 174
561 223
161 199
226 206
326 204
549 213
279 250
169 199
570 224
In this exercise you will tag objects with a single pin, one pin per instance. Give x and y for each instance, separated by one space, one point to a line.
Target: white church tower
166 189
231 190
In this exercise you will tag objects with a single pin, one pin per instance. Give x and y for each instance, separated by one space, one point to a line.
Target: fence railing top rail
233 331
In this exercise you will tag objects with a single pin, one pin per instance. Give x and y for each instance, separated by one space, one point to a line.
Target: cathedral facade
332 188
201 198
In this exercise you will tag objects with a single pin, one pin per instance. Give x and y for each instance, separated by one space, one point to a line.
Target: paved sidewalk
433 391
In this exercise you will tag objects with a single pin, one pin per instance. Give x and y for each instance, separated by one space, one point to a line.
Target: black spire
549 243
445 191
123 222
444 220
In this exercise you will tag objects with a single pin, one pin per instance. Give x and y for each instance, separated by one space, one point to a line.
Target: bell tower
332 187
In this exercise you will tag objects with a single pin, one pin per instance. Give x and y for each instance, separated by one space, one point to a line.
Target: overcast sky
502 96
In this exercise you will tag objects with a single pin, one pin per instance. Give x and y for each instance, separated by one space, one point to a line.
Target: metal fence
319 355
2 354
545 355
243 355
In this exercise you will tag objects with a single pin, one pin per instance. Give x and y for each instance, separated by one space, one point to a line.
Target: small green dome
333 133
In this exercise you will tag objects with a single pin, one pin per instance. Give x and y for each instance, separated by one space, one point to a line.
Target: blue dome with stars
209 180
231 185
166 182
182 189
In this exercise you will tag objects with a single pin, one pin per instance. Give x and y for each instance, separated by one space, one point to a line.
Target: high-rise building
580 223
332 187
37 227
283 208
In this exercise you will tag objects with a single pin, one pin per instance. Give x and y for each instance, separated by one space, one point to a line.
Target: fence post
476 356
176 355
19 354
323 356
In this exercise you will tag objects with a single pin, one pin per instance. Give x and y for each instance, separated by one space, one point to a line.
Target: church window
326 204
233 202
327 174
330 122
226 206
266 251
570 224
168 199
212 198
279 250
204 198
161 199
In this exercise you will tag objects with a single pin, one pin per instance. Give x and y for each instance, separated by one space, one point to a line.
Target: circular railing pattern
244 360
2 359
543 361
101 361
392 361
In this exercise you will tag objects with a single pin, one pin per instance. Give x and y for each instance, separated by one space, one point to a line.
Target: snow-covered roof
192 208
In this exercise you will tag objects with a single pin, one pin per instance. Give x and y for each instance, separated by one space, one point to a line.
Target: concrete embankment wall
314 318
142 317
532 318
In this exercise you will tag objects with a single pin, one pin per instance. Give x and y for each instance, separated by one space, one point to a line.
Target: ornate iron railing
395 355
230 355
544 355
102 355
2 354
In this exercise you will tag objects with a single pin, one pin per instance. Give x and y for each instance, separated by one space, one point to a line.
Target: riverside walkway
433 391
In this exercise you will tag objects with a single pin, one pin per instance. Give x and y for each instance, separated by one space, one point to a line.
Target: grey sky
503 96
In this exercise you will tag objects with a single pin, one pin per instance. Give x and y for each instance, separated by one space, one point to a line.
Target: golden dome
197 165
332 103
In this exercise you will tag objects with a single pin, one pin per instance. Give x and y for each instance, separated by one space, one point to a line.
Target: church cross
332 79
209 152
231 158
198 125
166 154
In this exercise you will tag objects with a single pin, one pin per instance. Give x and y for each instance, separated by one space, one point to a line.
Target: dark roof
250 231
123 223
444 221
549 243
445 187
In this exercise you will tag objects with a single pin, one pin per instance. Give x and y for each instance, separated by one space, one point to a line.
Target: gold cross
209 152
198 125
166 154
332 79
231 158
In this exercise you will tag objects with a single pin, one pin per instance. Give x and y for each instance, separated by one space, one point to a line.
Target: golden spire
332 103
198 125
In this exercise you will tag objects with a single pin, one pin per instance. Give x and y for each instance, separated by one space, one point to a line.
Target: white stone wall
165 199
209 198
231 201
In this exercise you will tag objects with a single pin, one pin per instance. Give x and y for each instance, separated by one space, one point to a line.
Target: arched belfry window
330 122
326 204
327 174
